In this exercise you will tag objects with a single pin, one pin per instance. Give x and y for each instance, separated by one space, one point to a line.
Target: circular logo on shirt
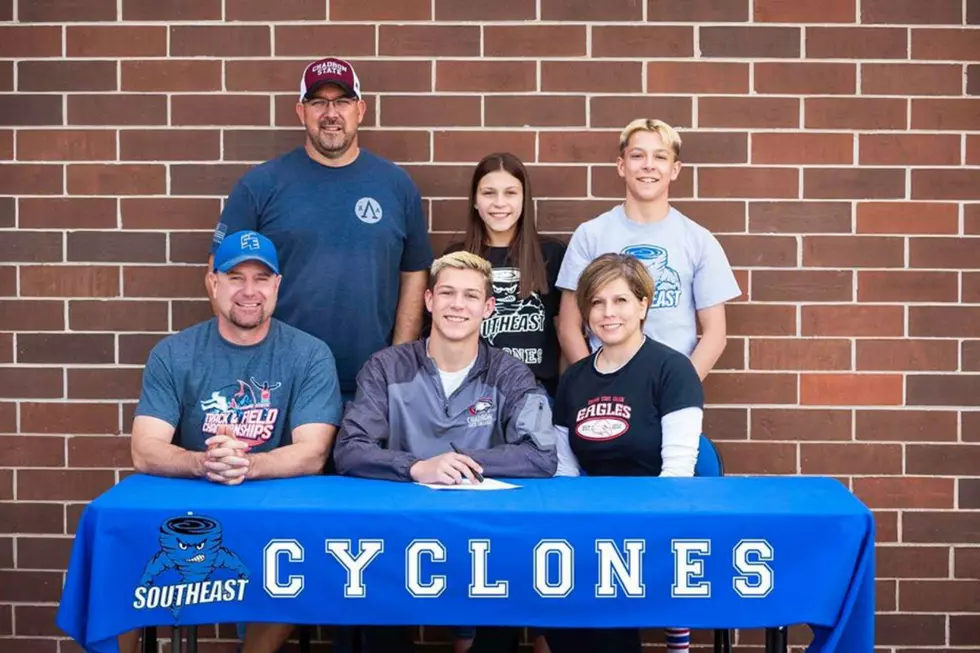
368 210
602 428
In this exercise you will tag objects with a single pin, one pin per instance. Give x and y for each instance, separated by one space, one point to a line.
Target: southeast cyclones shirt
613 419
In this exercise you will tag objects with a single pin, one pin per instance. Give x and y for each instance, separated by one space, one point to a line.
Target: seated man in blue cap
238 397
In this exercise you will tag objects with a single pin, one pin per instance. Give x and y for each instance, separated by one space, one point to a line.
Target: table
733 552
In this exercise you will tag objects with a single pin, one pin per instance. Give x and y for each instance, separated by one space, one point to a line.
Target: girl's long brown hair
525 248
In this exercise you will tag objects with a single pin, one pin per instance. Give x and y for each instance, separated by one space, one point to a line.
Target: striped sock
678 639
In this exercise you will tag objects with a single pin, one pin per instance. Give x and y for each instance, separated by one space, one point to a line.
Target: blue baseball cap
244 246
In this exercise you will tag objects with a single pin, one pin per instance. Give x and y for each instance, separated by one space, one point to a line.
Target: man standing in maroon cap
348 225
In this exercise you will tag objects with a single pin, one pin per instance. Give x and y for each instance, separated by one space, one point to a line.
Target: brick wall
834 146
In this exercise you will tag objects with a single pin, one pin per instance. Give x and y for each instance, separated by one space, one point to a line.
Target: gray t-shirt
196 381
688 265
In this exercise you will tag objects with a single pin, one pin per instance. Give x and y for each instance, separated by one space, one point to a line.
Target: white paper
487 484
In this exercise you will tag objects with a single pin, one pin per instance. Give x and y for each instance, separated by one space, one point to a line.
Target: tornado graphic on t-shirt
666 281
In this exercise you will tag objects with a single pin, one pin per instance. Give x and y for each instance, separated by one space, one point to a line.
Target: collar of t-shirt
452 380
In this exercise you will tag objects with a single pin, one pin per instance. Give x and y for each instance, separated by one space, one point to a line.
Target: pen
479 476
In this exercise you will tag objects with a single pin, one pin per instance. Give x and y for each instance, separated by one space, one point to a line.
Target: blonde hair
462 260
667 134
606 269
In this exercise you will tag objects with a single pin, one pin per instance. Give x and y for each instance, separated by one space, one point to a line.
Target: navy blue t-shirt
344 235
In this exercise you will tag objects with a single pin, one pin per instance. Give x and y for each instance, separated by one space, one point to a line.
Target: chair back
709 461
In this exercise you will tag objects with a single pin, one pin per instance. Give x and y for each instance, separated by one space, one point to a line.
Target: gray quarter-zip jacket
499 417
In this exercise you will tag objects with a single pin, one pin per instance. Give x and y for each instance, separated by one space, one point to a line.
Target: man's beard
332 147
242 324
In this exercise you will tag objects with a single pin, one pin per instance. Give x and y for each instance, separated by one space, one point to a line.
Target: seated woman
632 408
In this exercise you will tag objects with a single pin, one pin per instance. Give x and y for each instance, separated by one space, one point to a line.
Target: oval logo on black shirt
602 428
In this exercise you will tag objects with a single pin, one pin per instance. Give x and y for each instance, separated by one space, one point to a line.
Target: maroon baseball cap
329 71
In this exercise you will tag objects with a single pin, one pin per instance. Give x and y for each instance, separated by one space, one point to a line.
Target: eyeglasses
341 104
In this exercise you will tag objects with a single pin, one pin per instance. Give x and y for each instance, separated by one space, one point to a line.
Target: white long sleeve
681 436
567 462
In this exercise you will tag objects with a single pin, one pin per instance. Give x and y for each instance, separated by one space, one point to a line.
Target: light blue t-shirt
196 381
344 236
689 268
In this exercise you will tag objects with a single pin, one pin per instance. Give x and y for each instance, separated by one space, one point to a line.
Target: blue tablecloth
259 552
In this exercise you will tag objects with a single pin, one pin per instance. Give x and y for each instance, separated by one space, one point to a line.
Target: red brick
972 12
265 144
7 550
205 179
750 388
911 79
21 517
431 110
44 552
761 320
495 76
801 285
54 485
69 280
25 109
750 42
617 111
697 77
117 316
58 11
854 113
31 246
851 389
536 40
172 75
907 355
169 213
31 451
592 77
853 251
938 596
31 382
942 460
113 179
187 313
272 75
113 41
641 41
33 179
799 217
169 145
69 418
172 10
946 184
733 357
122 383
172 281
202 109
429 40
886 591
758 457
967 560
441 181
850 458
726 423
479 11
189 247
795 354
944 321
117 109
854 183
711 147
8 284
791 11
947 114
28 315
585 10
907 286
394 145
65 348
7 149
66 76
806 78
793 425
758 112
970 356
66 145
748 182
946 44
220 41
963 629
910 629
7 84
380 10
724 11
466 146
535 111
907 218
30 41
760 251
852 321
565 215
909 149
943 390
901 12
558 181
856 43
568 147
904 561
944 253
800 148
308 40
906 492
92 451
717 217
973 80
972 150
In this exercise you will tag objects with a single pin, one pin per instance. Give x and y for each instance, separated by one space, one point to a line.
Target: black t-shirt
525 328
613 419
